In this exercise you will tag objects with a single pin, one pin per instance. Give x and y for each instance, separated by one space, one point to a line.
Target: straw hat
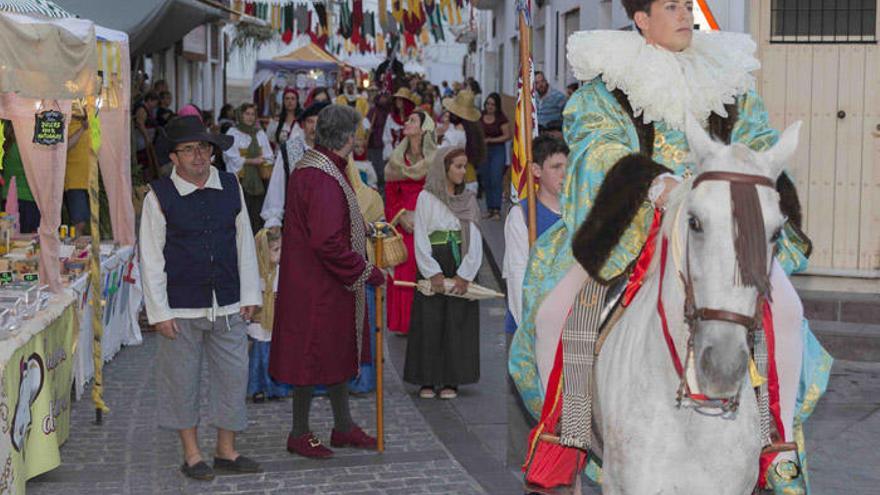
406 94
462 105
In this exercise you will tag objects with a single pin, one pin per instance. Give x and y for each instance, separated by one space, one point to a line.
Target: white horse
651 445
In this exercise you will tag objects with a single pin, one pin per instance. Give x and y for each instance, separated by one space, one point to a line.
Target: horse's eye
776 235
695 225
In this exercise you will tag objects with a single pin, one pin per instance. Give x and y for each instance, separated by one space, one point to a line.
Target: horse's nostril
722 368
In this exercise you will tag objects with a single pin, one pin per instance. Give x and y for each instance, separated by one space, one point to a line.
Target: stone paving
128 454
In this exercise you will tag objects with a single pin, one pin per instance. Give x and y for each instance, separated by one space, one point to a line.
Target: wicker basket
393 249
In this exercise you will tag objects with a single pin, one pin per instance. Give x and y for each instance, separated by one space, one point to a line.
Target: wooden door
833 86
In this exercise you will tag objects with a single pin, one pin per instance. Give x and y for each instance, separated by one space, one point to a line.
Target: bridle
694 313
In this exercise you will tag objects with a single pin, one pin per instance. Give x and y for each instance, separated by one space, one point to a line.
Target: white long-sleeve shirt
433 215
516 258
152 244
232 157
392 135
273 206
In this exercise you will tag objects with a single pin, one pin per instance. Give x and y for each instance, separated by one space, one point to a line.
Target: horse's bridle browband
758 180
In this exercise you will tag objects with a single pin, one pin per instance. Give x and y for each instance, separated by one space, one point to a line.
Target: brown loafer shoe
355 438
308 445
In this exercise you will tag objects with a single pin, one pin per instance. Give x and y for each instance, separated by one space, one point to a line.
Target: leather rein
694 313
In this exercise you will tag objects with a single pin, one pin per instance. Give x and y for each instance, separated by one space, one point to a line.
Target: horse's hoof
785 478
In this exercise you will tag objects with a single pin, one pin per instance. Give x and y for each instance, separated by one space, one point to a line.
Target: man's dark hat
190 128
313 109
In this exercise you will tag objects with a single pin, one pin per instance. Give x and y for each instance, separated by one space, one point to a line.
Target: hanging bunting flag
345 27
357 19
322 33
435 19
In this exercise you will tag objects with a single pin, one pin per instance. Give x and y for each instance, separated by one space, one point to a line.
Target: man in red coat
320 319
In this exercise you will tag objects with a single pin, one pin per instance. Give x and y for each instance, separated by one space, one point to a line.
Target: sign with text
49 127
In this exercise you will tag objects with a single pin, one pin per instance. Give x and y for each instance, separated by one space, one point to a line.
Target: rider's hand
669 184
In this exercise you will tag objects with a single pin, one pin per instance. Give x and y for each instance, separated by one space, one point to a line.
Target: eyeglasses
190 151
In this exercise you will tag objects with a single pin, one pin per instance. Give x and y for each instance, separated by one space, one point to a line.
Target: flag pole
525 61
380 399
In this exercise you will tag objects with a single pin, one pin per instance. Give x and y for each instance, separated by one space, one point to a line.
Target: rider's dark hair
633 6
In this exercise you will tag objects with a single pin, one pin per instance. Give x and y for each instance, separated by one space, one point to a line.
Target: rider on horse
625 126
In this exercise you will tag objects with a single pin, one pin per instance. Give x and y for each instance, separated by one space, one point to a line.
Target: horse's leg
788 314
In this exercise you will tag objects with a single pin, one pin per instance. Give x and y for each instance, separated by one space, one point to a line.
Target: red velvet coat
314 336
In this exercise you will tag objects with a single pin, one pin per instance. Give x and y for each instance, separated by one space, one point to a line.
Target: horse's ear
699 141
779 155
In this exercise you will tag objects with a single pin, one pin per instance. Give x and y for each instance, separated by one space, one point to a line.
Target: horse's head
732 220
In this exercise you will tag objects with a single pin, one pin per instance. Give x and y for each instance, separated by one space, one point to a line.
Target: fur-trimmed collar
663 85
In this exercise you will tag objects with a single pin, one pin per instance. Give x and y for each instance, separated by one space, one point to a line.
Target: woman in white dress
250 158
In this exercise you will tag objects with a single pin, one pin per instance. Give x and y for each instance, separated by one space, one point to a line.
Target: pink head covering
190 110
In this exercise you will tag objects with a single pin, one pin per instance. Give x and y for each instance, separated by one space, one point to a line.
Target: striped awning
43 8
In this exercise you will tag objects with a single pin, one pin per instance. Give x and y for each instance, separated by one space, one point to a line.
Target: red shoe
355 438
308 445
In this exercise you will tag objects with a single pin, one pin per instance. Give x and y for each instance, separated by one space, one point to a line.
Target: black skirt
443 345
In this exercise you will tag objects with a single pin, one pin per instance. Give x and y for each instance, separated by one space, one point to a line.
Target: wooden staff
380 406
525 50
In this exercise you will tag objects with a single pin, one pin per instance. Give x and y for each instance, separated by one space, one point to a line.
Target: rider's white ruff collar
663 85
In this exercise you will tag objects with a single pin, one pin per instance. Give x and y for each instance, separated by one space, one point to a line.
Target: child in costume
261 386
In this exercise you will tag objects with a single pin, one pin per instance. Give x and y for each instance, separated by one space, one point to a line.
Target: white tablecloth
123 298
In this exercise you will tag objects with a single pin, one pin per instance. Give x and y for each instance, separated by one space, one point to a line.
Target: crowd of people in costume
297 197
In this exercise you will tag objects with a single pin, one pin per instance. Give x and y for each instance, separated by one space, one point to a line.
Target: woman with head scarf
443 348
404 178
250 158
317 95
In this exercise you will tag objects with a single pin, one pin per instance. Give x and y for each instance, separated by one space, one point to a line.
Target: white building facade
823 72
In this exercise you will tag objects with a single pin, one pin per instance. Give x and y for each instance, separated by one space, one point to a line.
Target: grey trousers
178 373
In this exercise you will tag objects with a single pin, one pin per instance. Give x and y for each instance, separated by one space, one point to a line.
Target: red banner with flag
523 130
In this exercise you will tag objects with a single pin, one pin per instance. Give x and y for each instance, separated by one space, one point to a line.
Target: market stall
45 65
304 68
48 67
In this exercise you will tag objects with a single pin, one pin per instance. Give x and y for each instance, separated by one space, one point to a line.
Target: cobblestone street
456 447
128 454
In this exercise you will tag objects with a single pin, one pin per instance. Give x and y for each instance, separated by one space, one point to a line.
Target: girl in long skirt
443 350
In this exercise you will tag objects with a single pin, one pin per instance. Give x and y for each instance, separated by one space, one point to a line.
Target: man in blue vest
201 286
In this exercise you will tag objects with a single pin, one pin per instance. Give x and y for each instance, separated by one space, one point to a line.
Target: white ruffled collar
663 85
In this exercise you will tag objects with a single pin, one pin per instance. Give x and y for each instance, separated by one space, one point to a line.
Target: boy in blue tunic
550 156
